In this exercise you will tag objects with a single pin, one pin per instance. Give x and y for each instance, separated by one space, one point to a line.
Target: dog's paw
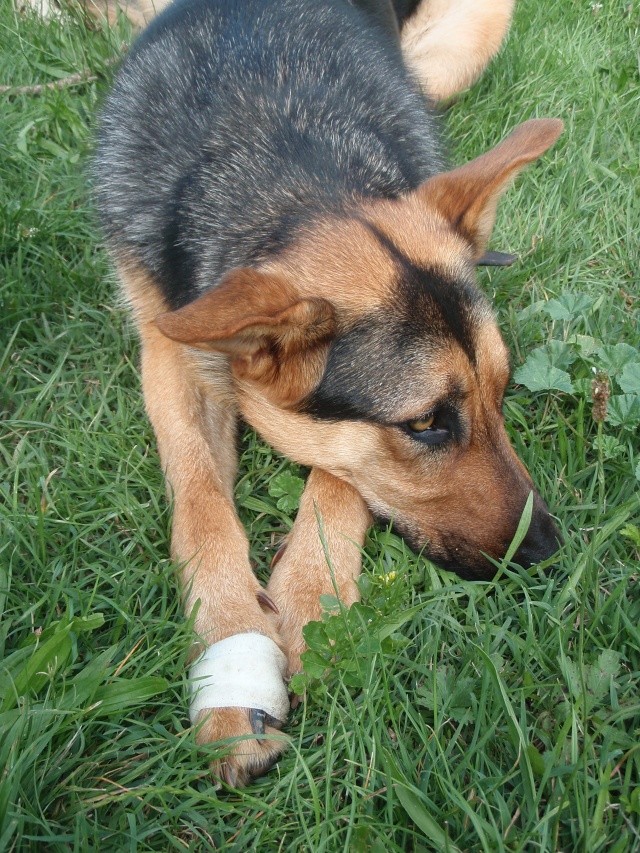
239 697
249 757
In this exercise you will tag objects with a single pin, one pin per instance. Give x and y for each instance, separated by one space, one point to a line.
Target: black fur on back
234 122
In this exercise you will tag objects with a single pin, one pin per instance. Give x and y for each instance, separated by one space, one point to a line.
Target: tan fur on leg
195 426
302 574
449 43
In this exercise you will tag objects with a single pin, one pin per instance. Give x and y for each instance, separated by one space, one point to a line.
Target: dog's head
367 350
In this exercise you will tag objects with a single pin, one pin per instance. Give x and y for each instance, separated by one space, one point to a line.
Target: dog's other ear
468 196
260 323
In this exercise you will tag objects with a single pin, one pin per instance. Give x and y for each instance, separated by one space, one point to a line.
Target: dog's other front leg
240 675
308 567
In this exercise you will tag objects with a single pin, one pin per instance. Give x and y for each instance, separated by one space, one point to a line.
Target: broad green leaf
609 445
568 306
586 344
288 488
600 674
298 683
21 138
329 603
629 379
314 664
28 669
258 505
315 635
539 374
54 149
532 310
613 358
561 353
556 310
624 411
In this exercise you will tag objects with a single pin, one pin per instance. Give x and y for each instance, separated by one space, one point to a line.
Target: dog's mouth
456 554
454 557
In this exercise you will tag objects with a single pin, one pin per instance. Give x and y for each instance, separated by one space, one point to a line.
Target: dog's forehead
439 303
354 260
419 345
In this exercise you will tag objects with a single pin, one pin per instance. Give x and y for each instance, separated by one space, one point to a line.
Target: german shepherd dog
272 186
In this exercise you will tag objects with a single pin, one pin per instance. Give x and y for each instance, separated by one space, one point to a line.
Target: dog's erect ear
257 319
468 196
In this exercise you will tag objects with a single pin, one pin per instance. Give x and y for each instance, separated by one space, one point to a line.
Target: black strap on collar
496 259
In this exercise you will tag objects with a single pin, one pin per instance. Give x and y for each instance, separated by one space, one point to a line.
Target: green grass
501 716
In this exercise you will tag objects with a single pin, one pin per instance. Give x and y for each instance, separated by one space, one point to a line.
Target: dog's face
368 351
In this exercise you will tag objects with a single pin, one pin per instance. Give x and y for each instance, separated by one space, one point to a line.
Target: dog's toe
252 754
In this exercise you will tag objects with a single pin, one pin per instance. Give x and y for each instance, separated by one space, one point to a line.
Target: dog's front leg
321 556
240 674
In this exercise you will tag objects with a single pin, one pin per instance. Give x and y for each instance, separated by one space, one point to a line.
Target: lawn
439 714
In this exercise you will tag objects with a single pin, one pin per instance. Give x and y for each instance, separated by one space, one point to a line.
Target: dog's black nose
543 537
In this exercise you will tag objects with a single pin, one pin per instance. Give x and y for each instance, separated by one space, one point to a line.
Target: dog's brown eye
431 429
421 425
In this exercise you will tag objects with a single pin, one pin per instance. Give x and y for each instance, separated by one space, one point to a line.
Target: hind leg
139 12
448 43
194 418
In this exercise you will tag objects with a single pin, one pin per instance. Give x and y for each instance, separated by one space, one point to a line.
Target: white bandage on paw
243 671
